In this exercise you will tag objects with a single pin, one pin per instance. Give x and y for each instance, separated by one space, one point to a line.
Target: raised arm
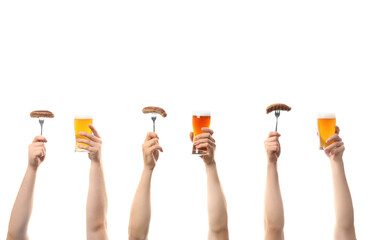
273 208
22 208
140 211
216 201
344 211
96 211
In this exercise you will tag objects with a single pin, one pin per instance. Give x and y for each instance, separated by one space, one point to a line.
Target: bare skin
22 208
273 207
344 211
139 219
96 210
141 207
216 201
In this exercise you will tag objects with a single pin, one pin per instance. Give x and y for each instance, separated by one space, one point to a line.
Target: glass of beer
81 123
326 128
201 119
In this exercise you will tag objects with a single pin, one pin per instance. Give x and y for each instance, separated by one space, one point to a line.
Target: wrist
272 162
97 162
148 169
336 158
336 161
210 163
32 169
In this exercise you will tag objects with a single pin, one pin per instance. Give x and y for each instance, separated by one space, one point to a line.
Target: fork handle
276 123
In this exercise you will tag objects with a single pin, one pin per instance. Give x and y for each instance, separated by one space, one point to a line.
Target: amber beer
201 119
81 125
326 128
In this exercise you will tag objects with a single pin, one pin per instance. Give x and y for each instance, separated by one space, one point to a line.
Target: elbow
274 226
136 235
97 227
344 230
219 228
15 236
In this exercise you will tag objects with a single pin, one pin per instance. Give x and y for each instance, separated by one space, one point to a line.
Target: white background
112 58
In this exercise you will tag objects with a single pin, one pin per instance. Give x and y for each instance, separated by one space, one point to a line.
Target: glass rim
202 113
326 115
83 116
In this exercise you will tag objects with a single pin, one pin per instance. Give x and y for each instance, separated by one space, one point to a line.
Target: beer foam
326 116
82 116
202 113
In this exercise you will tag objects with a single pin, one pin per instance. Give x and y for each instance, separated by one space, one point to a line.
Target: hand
37 152
273 147
205 140
336 149
94 142
150 150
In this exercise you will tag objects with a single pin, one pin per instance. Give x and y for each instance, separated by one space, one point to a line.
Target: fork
41 123
277 114
154 120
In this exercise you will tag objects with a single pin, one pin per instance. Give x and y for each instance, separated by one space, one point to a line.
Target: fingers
273 134
88 148
37 149
154 148
207 130
337 150
96 134
205 142
334 137
273 147
272 137
150 135
191 136
37 145
90 136
334 145
204 135
150 143
39 139
41 152
272 143
88 142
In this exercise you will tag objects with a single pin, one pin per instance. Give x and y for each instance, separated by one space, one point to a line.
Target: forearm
216 202
96 200
141 210
344 211
273 207
22 208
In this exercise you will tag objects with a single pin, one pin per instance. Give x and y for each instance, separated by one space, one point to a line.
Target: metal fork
41 123
277 114
154 120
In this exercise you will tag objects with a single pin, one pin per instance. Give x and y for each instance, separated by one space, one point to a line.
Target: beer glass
200 119
81 125
326 128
